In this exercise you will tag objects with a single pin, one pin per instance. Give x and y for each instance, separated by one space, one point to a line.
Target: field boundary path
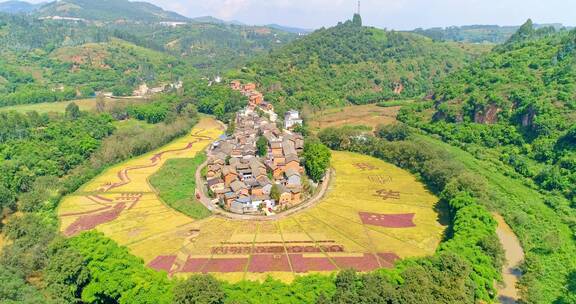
373 214
507 291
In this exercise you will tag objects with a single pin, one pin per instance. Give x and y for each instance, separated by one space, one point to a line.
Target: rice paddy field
374 214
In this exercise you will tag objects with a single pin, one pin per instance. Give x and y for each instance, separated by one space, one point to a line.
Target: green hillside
211 47
519 100
108 10
476 33
48 60
357 64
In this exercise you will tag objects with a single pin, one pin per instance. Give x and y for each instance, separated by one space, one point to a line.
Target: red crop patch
269 262
87 222
368 262
194 264
388 220
306 264
162 262
226 265
388 259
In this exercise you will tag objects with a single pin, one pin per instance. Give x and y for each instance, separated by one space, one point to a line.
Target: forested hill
353 63
522 98
45 61
476 33
108 10
18 7
52 60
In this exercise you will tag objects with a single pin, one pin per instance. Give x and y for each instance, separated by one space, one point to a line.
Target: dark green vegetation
176 185
46 61
514 111
316 160
463 271
262 146
475 33
42 158
212 48
49 60
519 101
18 7
199 289
217 100
507 118
356 64
471 236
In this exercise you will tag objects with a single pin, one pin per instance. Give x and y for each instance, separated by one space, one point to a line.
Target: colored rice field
373 214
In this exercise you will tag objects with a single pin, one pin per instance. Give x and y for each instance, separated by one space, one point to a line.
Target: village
257 168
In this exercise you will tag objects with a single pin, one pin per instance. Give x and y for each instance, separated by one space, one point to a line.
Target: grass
395 103
176 185
131 124
545 232
48 107
60 107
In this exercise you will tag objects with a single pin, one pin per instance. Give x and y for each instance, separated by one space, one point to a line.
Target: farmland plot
374 213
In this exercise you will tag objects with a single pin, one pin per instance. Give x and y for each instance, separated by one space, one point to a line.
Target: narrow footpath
511 273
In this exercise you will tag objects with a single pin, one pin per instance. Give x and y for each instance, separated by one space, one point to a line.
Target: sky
390 14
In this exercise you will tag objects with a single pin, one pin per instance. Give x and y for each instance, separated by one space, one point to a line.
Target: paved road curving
206 201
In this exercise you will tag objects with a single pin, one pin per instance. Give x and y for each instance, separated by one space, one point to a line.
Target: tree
66 273
262 146
316 160
357 20
7 199
199 289
72 111
231 127
393 132
275 193
346 288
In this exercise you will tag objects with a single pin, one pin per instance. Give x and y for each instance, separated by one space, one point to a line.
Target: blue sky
391 14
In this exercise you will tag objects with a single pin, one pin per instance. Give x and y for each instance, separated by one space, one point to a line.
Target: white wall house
292 118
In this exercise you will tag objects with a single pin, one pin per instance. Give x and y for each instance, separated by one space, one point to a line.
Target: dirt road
507 292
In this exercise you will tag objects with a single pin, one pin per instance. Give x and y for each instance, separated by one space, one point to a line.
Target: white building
292 118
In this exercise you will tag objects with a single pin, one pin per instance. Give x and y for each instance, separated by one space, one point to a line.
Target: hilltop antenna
358 7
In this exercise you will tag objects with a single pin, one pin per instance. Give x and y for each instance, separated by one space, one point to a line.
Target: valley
147 156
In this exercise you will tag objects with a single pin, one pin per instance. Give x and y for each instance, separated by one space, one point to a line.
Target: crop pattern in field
373 214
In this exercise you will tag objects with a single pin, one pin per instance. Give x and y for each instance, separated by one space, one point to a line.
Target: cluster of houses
143 90
255 98
246 183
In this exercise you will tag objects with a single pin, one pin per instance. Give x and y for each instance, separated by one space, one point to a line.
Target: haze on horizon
391 14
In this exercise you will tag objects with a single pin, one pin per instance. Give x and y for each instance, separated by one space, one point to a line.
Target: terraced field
373 214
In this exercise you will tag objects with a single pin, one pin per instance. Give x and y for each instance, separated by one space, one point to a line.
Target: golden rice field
373 214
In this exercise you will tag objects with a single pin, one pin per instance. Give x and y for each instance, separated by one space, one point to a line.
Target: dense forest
350 63
475 33
50 60
514 109
108 10
519 101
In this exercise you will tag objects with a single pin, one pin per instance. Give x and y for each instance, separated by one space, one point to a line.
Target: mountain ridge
109 10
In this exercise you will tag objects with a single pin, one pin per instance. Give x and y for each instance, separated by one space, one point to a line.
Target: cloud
228 9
